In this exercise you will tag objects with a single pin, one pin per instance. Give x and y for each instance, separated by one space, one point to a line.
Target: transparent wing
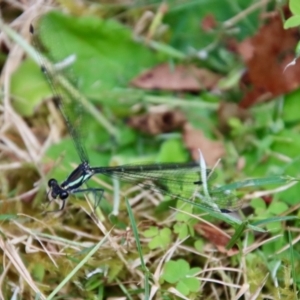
181 181
59 75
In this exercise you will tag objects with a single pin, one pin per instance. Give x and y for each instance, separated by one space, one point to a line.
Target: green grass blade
238 232
292 260
80 265
139 248
255 182
275 219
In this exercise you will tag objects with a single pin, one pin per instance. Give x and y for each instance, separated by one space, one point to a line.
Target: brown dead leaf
228 110
194 140
179 78
208 23
158 122
217 237
266 55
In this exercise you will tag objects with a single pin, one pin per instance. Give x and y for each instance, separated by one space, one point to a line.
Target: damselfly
179 180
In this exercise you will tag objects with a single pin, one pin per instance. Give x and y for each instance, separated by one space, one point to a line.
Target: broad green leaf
186 209
172 150
199 245
106 55
28 88
182 230
183 288
288 143
39 272
175 270
274 227
161 240
193 271
290 111
192 283
297 50
277 208
294 6
293 21
151 232
259 205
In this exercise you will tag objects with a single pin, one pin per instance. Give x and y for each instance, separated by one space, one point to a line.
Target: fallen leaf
156 123
208 23
180 78
267 199
217 237
266 55
194 140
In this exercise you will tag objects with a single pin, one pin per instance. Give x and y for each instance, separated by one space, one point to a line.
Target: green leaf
259 205
293 21
182 230
183 288
199 245
106 55
297 50
172 151
161 240
290 111
39 272
151 232
294 6
193 271
192 283
175 270
274 227
186 209
165 233
28 87
277 208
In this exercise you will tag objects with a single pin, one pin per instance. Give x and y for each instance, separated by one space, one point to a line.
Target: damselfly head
56 191
63 195
52 182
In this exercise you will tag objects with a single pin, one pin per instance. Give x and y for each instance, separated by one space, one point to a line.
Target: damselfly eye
52 182
64 195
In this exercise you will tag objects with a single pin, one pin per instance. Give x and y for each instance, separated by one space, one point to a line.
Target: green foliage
160 238
290 111
293 21
114 58
172 150
179 272
39 272
185 225
29 92
184 19
262 155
